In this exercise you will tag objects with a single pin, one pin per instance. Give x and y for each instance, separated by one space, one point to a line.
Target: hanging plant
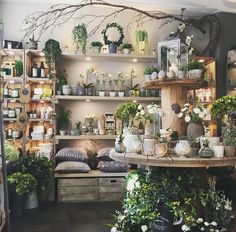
119 29
52 52
80 36
141 37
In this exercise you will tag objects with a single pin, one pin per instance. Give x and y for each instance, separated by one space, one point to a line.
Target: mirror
172 54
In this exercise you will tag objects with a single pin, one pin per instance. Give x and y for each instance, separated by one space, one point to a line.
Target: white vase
101 93
132 143
31 200
148 146
66 89
126 51
121 94
62 132
96 49
213 141
183 148
218 151
112 93
180 74
147 77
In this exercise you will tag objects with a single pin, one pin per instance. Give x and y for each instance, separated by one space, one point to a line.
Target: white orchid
196 110
214 223
206 224
92 116
113 229
202 114
185 228
200 220
180 115
144 228
140 107
142 112
187 118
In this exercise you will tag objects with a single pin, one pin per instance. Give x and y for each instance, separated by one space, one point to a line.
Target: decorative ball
154 75
162 74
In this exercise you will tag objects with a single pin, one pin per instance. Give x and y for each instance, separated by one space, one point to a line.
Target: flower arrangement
193 114
149 114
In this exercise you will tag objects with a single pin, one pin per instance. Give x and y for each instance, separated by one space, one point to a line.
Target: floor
78 217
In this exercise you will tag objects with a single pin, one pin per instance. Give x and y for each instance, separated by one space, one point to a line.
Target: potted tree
63 120
96 45
80 36
141 37
195 69
127 47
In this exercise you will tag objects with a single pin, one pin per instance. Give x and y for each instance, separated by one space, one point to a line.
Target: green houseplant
80 36
127 47
141 37
96 46
19 68
52 52
61 80
195 69
11 152
63 120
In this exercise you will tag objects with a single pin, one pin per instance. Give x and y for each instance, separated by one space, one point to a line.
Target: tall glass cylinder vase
157 124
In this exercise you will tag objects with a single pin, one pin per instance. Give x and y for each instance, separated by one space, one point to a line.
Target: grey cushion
72 154
72 167
113 166
103 154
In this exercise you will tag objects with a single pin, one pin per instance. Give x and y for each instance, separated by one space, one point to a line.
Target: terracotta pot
229 151
195 130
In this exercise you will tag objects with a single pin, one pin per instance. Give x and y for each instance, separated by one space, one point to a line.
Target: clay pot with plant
80 36
141 37
96 45
63 120
127 48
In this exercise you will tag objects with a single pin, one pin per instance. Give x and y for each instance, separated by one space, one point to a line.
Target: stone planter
229 151
31 201
121 94
195 74
112 47
96 49
181 75
147 77
112 93
101 93
195 130
126 51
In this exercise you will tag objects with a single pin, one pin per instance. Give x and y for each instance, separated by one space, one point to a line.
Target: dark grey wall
226 40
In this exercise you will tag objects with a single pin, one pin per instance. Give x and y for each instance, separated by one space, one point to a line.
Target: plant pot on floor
229 151
112 47
31 200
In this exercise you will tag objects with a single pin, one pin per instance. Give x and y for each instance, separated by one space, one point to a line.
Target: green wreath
119 28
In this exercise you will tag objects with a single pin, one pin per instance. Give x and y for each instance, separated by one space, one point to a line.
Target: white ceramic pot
96 49
162 75
154 76
218 151
213 141
121 94
183 148
126 51
112 93
181 74
62 132
195 74
132 143
101 93
147 77
149 146
171 74
66 90
31 200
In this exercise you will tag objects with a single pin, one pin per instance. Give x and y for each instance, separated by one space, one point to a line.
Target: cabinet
37 106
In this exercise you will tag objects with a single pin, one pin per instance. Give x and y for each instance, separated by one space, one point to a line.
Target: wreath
119 28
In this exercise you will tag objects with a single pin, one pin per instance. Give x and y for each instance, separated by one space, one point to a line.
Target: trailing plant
106 36
141 37
63 118
80 36
61 78
39 167
52 52
19 67
127 46
96 44
22 183
127 112
195 64
11 151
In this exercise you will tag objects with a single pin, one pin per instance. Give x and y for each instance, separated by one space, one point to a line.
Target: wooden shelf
41 100
9 119
174 162
12 99
39 120
116 57
97 98
187 83
15 79
85 137
40 80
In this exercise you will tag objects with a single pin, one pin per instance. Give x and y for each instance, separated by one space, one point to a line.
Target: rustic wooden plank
110 196
76 190
111 181
111 189
78 182
78 197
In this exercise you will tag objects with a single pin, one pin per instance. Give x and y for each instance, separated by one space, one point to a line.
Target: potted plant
96 46
102 86
229 141
92 147
19 68
181 71
195 69
150 73
1 32
11 152
127 47
205 151
63 120
111 82
195 146
80 36
111 41
20 184
52 52
61 82
121 82
141 37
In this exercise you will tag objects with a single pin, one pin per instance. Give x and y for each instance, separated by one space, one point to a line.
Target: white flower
184 109
187 118
213 223
140 107
110 75
199 220
206 224
142 112
201 114
113 229
186 105
144 228
206 111
202 229
180 115
185 228
149 106
196 110
228 205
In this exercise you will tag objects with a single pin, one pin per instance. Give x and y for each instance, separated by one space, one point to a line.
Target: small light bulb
88 58
135 60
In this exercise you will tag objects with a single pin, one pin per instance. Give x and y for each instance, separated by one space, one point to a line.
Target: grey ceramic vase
194 130
112 47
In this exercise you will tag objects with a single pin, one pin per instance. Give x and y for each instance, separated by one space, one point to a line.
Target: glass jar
11 113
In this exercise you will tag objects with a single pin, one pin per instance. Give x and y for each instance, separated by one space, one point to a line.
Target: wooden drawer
78 197
78 182
75 190
110 196
113 181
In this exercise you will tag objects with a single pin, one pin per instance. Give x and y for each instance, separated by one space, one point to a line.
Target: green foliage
80 36
195 64
39 167
223 107
22 183
150 70
89 85
141 35
120 30
229 135
11 151
127 112
127 46
19 67
96 44
61 78
63 118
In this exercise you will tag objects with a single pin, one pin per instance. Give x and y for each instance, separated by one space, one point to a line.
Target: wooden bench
92 186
